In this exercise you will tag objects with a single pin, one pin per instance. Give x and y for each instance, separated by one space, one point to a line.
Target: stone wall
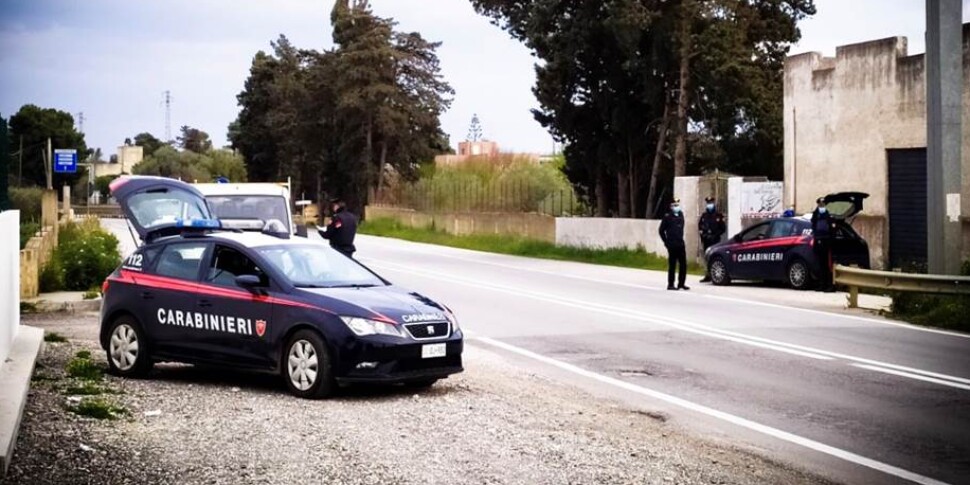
609 233
40 248
530 226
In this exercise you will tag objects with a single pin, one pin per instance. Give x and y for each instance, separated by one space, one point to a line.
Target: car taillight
104 287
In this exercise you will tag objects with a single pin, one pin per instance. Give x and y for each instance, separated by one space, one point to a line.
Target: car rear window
181 260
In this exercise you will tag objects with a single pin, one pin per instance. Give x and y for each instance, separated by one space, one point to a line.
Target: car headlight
363 327
453 319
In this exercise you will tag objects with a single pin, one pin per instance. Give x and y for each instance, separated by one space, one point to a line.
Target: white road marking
913 376
589 306
721 415
794 349
703 295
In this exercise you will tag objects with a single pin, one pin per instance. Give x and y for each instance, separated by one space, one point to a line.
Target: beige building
857 122
128 157
468 150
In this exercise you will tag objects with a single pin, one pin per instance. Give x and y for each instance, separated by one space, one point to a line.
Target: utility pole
49 166
944 89
80 122
167 99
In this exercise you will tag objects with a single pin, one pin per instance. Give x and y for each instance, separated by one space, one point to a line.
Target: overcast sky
113 59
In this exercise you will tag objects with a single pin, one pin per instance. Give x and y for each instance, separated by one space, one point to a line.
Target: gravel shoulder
492 424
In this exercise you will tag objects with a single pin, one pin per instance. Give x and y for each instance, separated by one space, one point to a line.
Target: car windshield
152 209
318 266
249 212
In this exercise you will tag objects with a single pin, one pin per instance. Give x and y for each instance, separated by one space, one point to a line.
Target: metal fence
518 196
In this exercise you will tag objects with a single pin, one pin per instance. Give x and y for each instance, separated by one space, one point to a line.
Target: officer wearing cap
342 228
672 235
822 244
710 227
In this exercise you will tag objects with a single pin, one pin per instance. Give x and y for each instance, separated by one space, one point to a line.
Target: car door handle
147 295
205 303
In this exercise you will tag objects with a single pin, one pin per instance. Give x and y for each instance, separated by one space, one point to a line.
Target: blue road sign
65 161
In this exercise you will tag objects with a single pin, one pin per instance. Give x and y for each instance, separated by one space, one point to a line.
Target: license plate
431 351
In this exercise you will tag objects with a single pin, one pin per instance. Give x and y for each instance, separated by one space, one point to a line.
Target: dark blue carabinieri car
782 249
194 293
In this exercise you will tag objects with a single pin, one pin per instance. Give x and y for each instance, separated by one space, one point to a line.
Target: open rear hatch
158 206
845 205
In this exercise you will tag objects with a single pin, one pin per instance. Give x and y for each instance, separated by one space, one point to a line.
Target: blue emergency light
199 223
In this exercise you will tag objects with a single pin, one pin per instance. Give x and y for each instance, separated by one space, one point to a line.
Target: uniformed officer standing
710 227
672 234
342 228
822 244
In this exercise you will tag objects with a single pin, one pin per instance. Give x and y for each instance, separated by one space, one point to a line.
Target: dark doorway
907 208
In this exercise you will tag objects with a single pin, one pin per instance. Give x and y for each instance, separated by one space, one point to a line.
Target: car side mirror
301 230
248 281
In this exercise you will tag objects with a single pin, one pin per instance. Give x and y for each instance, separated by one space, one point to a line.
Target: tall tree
36 125
620 80
194 140
148 142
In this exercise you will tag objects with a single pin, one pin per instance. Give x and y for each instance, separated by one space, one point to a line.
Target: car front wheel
306 366
799 276
128 352
719 273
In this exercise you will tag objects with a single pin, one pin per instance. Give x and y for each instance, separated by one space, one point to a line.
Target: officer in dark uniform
822 244
710 227
672 234
342 228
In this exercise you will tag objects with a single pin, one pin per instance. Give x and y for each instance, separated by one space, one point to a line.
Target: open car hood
845 205
158 206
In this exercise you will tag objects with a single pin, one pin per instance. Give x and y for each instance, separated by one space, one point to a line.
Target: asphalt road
788 375
858 399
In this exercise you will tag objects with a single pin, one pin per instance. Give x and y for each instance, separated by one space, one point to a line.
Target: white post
10 276
734 206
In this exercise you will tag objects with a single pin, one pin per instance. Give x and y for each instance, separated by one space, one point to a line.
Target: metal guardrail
856 278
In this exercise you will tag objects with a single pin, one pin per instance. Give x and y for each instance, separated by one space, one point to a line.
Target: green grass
624 258
54 337
97 408
943 311
83 368
87 388
92 294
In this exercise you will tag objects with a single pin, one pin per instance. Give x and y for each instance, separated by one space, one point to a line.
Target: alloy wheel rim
302 365
124 347
797 275
717 271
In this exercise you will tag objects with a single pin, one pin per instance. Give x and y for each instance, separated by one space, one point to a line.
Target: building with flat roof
857 122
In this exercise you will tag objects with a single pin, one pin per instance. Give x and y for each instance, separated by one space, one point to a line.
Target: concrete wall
608 233
842 113
9 280
531 226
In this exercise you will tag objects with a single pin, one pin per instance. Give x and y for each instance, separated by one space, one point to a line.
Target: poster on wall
761 200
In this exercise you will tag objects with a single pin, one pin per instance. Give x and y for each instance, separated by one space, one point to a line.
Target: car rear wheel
719 272
306 366
799 276
128 349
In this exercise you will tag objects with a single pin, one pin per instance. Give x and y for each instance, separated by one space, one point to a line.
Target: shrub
27 231
934 310
28 201
85 255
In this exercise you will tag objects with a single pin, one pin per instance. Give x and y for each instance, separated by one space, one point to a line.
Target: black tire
308 374
128 350
421 384
718 272
797 275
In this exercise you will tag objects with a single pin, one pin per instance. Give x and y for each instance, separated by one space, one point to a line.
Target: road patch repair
493 424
